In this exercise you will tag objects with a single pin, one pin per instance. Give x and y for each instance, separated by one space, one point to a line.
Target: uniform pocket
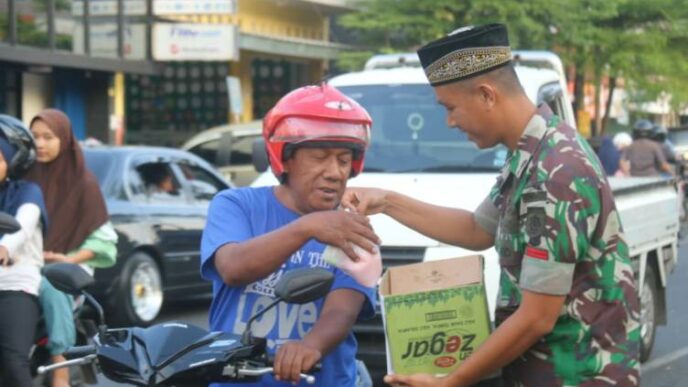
507 238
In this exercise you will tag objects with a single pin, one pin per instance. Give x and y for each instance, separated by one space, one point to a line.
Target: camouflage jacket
557 232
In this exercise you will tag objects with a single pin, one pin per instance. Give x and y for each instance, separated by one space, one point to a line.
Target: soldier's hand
416 380
342 229
366 201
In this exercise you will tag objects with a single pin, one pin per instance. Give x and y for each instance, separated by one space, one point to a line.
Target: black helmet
20 137
643 129
659 133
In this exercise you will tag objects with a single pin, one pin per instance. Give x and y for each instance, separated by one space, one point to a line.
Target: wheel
648 313
138 299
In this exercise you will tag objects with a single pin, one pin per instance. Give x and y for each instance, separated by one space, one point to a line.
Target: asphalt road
668 365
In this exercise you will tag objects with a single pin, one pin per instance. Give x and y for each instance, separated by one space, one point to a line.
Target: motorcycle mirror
304 285
297 287
259 155
8 225
68 277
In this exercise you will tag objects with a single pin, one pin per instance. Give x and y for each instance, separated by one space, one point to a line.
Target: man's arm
447 225
339 314
242 263
245 262
535 317
662 161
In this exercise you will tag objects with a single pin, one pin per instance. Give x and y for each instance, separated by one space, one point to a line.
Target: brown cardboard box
435 314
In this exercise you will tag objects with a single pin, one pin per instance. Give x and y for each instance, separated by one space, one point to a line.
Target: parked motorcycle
40 355
175 353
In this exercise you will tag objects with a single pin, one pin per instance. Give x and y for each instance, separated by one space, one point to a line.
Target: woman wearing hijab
80 231
21 255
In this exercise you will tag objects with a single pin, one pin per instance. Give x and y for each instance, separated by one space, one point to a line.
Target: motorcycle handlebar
310 379
316 368
80 351
69 363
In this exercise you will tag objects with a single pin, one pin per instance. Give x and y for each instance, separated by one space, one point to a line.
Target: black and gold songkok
465 53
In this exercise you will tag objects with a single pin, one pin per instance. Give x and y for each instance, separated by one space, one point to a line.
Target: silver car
229 149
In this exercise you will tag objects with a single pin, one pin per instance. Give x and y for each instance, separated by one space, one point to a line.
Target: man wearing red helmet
316 140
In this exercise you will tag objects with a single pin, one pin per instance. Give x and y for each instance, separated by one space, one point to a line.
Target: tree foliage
643 42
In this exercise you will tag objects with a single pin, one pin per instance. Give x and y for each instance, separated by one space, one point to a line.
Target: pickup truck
413 152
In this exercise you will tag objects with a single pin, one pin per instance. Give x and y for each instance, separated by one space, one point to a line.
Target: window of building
168 109
9 91
32 23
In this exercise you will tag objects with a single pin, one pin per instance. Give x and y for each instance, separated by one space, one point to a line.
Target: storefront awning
300 48
44 57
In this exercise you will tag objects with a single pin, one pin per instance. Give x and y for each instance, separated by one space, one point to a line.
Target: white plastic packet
366 271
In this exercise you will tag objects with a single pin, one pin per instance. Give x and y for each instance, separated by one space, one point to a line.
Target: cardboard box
434 313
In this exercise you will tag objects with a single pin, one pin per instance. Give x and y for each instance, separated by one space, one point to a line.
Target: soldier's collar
530 140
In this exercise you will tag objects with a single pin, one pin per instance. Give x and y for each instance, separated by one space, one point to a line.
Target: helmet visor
298 129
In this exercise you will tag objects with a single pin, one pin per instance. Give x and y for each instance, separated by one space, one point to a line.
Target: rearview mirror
304 285
260 156
298 286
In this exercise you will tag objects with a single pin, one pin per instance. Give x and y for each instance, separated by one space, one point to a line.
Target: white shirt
25 249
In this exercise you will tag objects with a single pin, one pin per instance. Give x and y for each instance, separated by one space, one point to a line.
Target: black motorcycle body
176 353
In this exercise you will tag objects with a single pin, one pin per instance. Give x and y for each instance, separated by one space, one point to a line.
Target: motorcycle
175 353
40 355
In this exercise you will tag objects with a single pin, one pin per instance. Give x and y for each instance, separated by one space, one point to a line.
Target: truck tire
648 312
139 295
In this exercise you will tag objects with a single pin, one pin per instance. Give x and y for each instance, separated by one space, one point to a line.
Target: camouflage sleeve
559 221
487 216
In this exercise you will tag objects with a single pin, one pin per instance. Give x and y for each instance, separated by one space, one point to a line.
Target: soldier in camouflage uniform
567 311
559 233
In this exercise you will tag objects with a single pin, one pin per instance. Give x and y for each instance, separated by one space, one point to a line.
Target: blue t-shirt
241 214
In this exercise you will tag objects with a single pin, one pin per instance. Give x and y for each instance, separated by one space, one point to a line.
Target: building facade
158 71
59 53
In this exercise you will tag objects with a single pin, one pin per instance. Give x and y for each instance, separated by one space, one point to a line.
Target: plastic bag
366 271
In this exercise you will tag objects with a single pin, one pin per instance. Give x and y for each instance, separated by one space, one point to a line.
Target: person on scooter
660 135
316 139
645 157
80 230
21 253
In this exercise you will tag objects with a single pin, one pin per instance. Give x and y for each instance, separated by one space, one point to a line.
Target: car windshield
410 133
99 163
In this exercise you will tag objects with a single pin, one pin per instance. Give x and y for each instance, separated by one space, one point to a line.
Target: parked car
158 200
228 147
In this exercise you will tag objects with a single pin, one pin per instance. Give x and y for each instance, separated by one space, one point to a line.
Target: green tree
643 42
403 25
630 39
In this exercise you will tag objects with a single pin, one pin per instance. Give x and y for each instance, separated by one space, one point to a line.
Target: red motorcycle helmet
316 116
